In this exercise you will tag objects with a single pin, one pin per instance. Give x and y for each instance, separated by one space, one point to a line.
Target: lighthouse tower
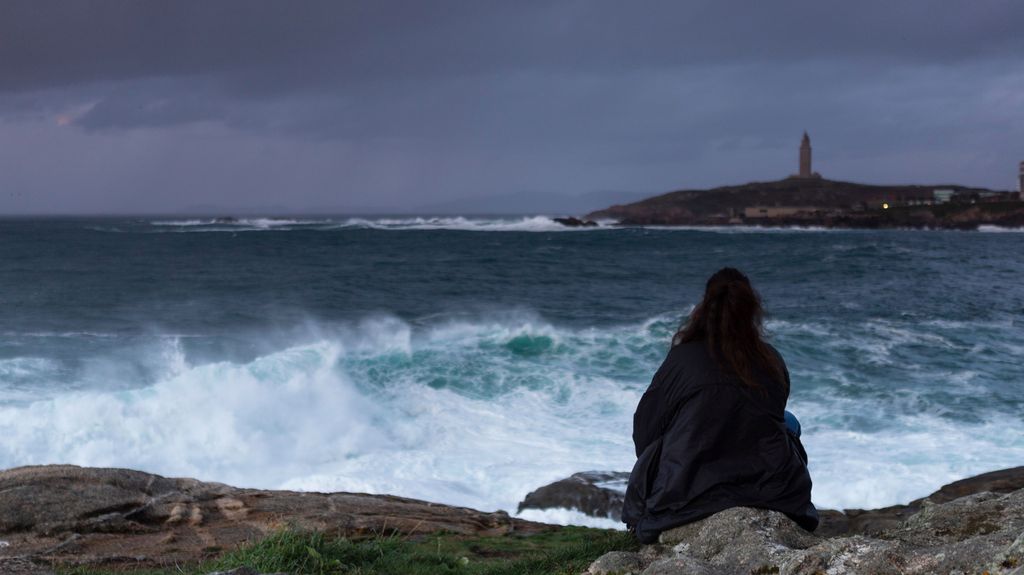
1020 181
805 157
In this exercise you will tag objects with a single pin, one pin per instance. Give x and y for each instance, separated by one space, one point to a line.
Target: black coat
705 442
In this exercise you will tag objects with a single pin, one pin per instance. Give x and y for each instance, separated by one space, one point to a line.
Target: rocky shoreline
81 516
819 202
123 519
600 494
969 218
981 533
975 525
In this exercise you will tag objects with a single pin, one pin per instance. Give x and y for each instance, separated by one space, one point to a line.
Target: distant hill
718 205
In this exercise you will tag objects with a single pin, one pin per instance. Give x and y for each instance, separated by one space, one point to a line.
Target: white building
942 196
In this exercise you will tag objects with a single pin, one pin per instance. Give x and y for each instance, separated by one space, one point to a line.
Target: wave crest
456 223
480 411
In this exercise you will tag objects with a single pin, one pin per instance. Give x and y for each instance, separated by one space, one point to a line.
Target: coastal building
942 196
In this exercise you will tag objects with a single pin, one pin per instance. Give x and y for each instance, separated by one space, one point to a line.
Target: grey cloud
384 102
153 104
50 43
225 60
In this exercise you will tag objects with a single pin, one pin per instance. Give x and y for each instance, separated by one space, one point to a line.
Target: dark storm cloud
50 44
392 100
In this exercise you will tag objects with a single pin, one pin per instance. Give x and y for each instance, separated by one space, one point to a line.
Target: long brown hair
729 321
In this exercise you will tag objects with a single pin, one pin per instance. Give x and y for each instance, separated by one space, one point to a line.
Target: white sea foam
457 223
538 223
905 458
21 367
294 419
262 223
521 224
562 516
999 229
21 377
232 225
480 412
253 423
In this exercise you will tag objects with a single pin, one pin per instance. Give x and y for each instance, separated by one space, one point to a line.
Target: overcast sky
134 106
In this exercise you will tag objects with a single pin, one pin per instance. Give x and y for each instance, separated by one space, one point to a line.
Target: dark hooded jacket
706 442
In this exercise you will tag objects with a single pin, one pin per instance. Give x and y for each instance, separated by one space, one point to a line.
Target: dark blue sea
469 361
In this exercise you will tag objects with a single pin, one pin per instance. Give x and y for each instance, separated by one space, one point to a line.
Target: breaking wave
509 224
479 413
236 224
999 229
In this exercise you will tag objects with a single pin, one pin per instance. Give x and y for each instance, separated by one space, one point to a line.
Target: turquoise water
469 361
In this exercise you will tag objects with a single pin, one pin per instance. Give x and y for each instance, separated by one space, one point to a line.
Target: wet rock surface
72 515
976 533
576 222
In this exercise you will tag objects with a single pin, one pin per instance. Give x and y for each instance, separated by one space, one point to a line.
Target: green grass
567 550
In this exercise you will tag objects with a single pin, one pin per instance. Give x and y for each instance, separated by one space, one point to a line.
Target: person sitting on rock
711 431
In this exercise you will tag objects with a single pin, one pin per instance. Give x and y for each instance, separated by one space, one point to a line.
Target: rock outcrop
596 493
576 222
600 493
74 515
982 532
118 518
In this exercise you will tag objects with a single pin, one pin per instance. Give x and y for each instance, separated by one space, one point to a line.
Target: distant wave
463 223
457 223
234 224
475 224
522 224
999 229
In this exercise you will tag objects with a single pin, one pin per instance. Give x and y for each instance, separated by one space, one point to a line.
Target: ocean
469 361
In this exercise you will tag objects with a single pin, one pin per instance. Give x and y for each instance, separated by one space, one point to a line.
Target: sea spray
473 414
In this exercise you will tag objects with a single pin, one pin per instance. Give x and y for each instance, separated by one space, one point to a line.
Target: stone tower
1020 182
805 157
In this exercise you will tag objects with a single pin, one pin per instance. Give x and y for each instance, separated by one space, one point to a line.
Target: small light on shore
885 206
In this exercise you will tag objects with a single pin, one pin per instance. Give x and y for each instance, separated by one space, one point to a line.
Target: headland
809 200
